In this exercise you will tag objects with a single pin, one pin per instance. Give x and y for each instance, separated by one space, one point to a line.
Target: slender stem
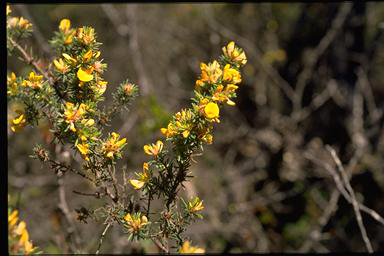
102 237
61 166
353 198
29 59
160 245
63 206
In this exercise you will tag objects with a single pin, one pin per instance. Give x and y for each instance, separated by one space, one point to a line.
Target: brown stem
29 59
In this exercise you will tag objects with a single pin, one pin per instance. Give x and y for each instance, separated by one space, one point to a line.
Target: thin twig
131 32
323 220
160 245
374 112
353 198
102 237
341 187
63 206
317 52
62 167
96 194
29 59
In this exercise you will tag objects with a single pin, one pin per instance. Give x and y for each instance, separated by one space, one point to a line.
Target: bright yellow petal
65 24
211 110
137 184
18 120
121 142
87 56
159 145
147 149
128 218
84 76
69 58
185 133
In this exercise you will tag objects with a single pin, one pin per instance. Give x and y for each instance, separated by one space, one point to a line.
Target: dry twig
353 198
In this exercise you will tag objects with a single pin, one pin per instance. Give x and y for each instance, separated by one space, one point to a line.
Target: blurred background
314 77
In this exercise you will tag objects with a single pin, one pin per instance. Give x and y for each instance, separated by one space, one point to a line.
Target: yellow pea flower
195 205
135 222
12 84
88 122
153 149
13 218
211 110
209 73
68 39
60 65
85 35
235 54
18 123
8 10
87 56
231 75
113 145
137 184
143 177
169 131
24 23
84 76
19 232
97 54
72 114
65 25
70 59
231 88
208 138
187 248
33 81
84 150
100 87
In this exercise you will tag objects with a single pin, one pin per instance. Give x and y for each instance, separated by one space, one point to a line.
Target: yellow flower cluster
153 149
135 222
235 54
73 114
209 73
182 124
19 22
216 85
188 248
143 177
18 232
228 77
85 35
113 145
86 65
34 81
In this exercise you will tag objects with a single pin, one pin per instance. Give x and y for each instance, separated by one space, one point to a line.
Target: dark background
314 77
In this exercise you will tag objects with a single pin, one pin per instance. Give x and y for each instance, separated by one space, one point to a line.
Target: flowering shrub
67 93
